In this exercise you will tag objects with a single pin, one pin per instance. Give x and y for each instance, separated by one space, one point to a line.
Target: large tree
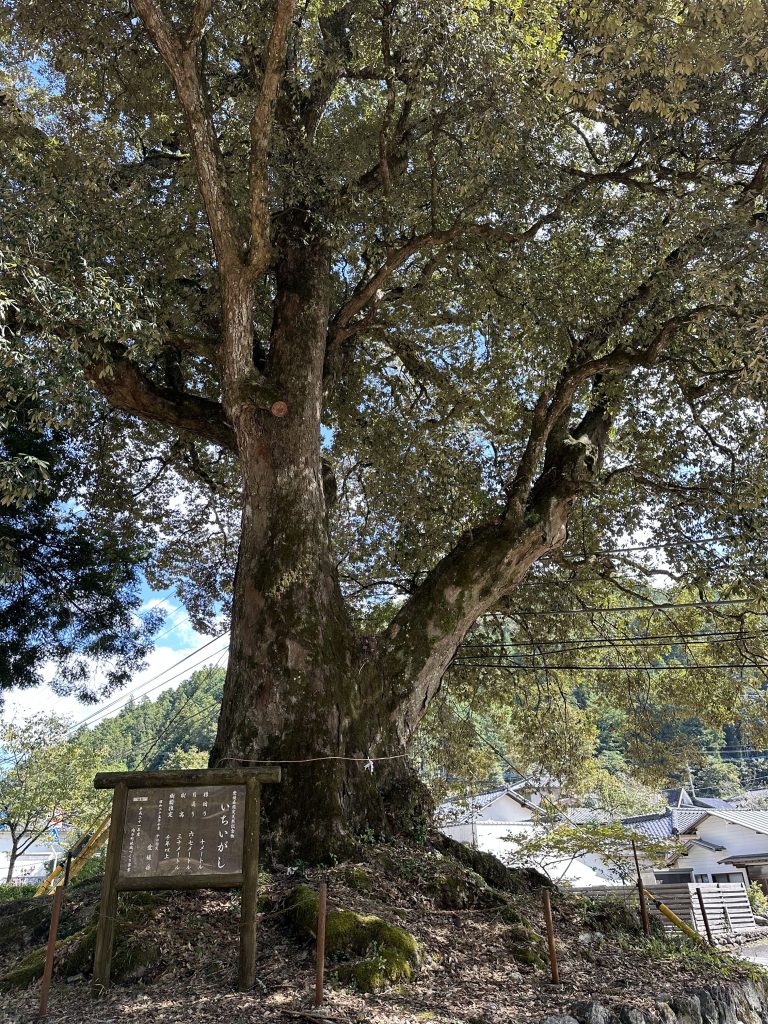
411 286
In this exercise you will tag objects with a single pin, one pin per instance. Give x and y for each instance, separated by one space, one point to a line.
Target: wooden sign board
182 830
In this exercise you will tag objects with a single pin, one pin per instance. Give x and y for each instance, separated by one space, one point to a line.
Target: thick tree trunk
303 689
299 687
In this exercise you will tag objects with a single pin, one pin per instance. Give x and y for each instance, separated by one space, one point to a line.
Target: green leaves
611 842
45 779
516 190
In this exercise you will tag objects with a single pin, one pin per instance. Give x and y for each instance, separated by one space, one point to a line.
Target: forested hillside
480 729
176 730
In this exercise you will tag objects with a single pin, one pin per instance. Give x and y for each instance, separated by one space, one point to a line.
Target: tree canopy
623 198
387 304
70 584
45 779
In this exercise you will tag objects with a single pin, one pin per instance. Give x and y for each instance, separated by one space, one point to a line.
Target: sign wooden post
644 917
194 829
105 931
322 913
551 938
249 897
705 916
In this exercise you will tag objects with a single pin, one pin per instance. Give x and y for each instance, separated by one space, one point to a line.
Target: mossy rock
390 953
24 973
613 916
511 916
387 967
524 933
491 869
528 956
74 953
527 945
24 922
455 887
357 878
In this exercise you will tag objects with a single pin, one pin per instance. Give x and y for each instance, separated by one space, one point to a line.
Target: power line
657 545
625 644
134 691
180 622
734 752
165 682
650 607
160 736
718 636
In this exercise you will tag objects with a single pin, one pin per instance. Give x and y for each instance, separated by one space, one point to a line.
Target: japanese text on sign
197 830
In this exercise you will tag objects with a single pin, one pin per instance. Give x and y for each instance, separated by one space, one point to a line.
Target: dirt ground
468 972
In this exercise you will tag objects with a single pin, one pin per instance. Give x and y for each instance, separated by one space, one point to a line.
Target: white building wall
31 866
737 840
702 861
505 809
502 838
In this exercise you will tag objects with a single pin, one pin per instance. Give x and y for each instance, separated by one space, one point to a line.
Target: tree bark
296 676
12 858
303 688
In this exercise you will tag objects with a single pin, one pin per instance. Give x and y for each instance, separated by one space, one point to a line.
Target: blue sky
176 639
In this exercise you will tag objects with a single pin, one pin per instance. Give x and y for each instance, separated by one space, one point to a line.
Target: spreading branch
261 130
490 560
125 387
200 15
180 56
345 323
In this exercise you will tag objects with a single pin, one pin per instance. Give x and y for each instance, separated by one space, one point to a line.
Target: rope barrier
309 760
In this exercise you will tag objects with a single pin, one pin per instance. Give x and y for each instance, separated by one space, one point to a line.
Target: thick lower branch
423 638
126 388
485 565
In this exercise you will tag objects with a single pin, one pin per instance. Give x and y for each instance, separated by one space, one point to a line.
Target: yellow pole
672 916
97 839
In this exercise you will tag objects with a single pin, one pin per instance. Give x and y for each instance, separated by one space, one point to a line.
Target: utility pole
690 779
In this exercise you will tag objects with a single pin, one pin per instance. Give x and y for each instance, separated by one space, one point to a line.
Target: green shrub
10 892
93 868
757 900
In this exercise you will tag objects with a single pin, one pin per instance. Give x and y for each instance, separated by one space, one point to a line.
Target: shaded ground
471 970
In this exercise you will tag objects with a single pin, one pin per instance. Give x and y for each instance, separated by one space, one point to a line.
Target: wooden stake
705 917
641 894
551 938
249 902
320 964
58 899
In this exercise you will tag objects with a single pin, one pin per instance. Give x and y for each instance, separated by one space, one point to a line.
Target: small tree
610 842
44 779
183 760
